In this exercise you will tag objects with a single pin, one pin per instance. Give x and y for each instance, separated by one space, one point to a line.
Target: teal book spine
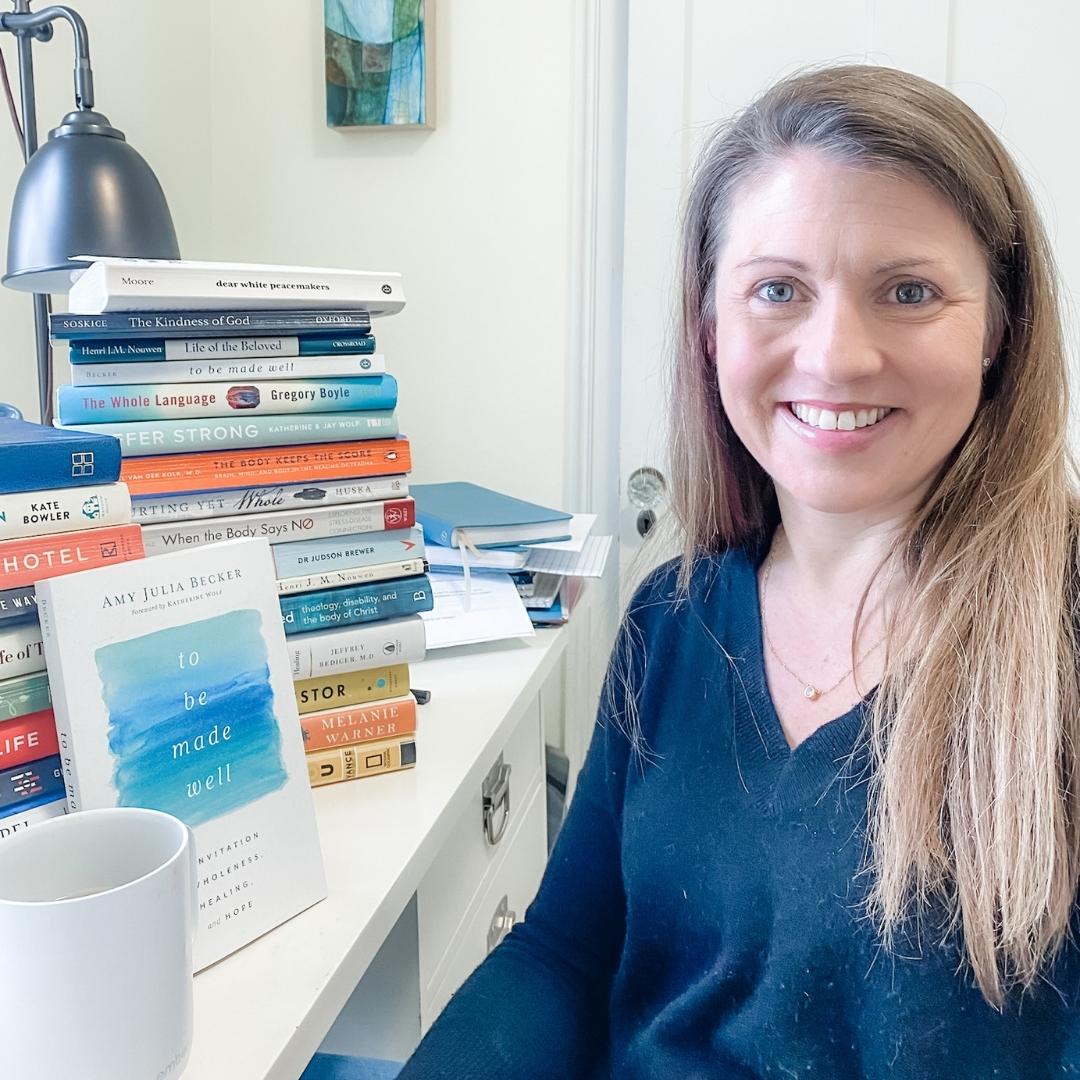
99 350
356 604
143 438
24 695
195 400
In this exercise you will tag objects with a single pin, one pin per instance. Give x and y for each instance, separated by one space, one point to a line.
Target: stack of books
61 510
250 402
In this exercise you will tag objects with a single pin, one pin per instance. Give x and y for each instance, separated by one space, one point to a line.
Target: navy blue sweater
701 914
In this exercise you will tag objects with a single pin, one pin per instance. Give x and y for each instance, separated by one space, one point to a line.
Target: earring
986 362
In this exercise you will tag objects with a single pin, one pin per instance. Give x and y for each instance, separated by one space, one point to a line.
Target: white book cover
128 373
171 690
354 648
21 650
60 510
111 284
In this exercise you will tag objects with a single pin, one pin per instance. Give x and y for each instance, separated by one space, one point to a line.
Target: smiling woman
829 825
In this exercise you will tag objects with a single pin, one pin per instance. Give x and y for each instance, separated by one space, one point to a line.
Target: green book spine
23 695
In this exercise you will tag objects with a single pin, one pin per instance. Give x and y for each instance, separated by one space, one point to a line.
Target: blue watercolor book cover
172 690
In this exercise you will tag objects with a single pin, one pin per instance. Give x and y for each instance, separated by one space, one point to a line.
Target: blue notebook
35 458
461 514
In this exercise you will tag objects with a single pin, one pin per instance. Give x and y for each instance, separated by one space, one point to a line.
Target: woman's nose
837 343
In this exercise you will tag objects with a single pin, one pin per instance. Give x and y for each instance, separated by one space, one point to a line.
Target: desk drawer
459 871
508 892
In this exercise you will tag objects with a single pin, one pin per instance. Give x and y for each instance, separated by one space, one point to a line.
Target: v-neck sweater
702 915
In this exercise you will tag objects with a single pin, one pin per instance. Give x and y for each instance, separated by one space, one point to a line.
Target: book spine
25 562
305 557
349 688
143 438
400 641
308 612
24 695
115 287
124 325
18 603
357 576
157 352
338 727
147 509
61 510
194 371
355 762
279 526
31 784
46 464
191 401
27 738
19 820
21 651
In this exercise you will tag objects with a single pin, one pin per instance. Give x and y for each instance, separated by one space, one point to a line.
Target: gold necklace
810 691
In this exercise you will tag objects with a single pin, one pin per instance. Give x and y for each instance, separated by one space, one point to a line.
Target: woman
829 822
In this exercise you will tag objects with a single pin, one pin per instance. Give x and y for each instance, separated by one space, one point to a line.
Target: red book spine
364 723
28 738
36 558
399 514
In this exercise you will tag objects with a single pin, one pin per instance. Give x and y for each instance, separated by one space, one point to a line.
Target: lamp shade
84 192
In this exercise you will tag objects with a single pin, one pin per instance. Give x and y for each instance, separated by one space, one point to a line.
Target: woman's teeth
848 420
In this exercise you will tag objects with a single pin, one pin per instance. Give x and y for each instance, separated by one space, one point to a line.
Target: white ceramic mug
97 920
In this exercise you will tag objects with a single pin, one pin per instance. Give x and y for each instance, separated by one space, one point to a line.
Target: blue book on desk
35 458
461 514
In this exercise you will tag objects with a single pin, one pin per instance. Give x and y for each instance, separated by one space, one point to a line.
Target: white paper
495 611
589 562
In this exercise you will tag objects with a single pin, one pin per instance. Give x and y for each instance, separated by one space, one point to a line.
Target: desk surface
262 1012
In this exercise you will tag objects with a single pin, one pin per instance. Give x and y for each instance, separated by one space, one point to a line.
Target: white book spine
61 510
358 575
326 652
279 526
21 650
162 285
227 370
58 686
20 821
146 510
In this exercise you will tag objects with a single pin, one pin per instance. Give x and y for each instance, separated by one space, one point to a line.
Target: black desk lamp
85 192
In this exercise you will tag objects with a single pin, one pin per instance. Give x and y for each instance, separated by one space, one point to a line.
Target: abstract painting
379 67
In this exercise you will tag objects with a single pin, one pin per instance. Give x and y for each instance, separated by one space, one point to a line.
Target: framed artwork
379 64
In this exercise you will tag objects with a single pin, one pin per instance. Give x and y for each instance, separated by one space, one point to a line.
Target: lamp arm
39 24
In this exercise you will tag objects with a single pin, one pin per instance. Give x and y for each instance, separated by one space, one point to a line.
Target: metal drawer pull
501 924
496 801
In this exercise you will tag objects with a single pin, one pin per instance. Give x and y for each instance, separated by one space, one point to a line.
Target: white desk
262 1013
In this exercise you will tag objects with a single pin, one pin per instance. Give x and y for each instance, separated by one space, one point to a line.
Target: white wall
228 107
475 214
151 64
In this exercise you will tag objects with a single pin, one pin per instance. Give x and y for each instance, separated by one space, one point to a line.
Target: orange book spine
28 738
24 562
388 719
175 474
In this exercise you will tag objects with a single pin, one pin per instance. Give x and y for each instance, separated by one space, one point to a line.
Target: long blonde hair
975 728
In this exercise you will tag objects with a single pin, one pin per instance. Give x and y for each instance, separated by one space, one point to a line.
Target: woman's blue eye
777 292
911 292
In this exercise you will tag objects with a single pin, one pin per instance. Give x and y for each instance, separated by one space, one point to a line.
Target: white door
693 62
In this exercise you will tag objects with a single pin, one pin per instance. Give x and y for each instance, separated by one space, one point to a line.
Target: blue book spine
36 458
356 604
184 324
99 350
143 438
30 785
18 603
174 401
303 557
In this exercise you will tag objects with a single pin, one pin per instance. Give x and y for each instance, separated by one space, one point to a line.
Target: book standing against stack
61 511
249 401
